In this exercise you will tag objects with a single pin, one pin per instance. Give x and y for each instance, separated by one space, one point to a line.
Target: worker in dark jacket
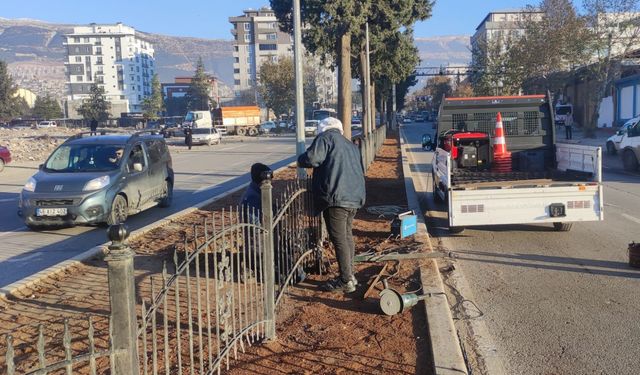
93 126
339 191
188 137
252 197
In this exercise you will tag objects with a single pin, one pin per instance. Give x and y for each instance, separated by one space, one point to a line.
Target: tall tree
329 26
276 86
615 28
9 103
198 96
438 87
493 71
45 107
153 105
96 106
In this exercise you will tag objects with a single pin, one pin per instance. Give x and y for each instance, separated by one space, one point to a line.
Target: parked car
174 130
407 120
5 157
266 127
206 136
46 124
98 179
629 147
613 142
311 127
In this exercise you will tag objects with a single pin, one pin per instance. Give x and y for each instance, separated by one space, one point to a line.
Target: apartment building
114 57
502 24
258 39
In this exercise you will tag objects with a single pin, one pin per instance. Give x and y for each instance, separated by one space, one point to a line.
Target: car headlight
30 185
97 183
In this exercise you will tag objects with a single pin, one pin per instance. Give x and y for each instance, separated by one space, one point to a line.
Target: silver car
98 179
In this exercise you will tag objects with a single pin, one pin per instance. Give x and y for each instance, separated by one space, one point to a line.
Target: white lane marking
8 200
13 231
26 257
629 217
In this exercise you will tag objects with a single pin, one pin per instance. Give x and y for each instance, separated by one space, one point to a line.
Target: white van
629 147
205 136
613 142
47 124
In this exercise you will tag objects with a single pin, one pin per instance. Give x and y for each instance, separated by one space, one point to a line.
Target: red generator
469 150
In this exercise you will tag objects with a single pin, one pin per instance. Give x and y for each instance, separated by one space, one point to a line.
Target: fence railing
217 295
369 145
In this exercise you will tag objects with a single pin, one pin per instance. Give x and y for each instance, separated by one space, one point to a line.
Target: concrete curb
18 286
445 346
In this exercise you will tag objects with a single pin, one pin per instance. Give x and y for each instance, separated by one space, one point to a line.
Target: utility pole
372 109
393 107
297 53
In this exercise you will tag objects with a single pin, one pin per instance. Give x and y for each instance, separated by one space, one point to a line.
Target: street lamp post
297 53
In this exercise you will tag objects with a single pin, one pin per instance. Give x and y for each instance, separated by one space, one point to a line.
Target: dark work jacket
252 197
338 179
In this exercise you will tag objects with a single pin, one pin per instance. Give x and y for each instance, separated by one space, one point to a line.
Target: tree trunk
344 83
374 124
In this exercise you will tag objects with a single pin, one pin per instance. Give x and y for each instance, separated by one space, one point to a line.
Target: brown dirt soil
318 332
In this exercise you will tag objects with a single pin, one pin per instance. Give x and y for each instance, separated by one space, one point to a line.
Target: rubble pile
33 144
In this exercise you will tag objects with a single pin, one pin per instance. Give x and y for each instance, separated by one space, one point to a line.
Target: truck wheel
119 211
241 131
611 148
562 227
456 230
253 132
436 196
629 160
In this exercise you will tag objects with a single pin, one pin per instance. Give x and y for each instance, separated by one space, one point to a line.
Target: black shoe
337 285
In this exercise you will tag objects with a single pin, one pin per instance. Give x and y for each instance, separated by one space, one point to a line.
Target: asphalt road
200 174
553 302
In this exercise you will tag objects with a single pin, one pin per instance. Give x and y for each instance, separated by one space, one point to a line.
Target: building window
236 71
133 78
247 26
248 59
236 82
132 68
122 97
78 58
76 39
79 78
98 50
87 40
237 60
139 97
272 36
268 47
247 38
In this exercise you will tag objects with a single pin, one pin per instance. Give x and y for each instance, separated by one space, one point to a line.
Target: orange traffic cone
501 157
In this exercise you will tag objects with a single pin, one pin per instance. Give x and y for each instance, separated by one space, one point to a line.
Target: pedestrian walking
568 127
93 126
188 137
338 190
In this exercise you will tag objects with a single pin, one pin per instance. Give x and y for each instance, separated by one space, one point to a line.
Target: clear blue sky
209 18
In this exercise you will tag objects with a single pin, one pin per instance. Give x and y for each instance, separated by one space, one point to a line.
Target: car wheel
629 161
253 131
1 165
562 227
119 211
611 148
168 199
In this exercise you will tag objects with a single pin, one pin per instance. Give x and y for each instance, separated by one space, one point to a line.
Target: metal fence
218 295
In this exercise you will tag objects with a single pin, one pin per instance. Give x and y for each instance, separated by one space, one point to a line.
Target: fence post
269 259
123 303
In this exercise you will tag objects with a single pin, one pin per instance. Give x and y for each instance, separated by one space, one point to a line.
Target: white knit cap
330 123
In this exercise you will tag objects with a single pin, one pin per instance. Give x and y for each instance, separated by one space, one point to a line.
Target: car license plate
51 212
557 210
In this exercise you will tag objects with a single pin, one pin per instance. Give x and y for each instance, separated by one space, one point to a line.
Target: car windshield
189 117
85 158
563 110
202 131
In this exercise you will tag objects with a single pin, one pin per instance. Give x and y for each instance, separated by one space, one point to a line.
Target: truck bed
470 180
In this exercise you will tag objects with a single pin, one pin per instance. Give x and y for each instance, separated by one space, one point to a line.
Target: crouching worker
339 191
252 200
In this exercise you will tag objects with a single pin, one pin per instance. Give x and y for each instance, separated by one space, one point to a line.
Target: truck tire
436 196
562 227
611 148
241 131
456 230
253 132
629 161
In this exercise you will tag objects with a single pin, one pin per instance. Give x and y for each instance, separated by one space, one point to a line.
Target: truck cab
198 119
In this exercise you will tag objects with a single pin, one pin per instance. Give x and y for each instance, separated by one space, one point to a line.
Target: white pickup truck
555 183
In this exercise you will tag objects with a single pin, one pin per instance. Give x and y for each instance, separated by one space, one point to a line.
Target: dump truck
539 181
240 120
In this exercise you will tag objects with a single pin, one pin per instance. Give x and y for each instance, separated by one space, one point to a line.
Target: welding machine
469 150
404 224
